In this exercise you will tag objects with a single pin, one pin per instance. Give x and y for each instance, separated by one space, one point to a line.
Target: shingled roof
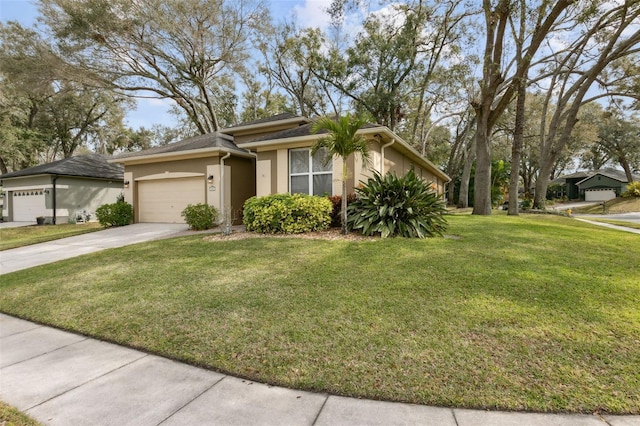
299 131
209 140
90 166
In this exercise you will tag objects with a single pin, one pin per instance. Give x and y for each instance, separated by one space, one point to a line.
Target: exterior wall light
126 183
210 178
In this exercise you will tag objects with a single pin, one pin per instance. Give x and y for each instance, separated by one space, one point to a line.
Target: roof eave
191 153
265 125
371 130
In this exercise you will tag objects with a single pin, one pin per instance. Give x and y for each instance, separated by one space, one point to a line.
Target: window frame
310 173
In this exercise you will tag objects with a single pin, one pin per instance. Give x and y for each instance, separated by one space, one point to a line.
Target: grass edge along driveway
532 313
28 235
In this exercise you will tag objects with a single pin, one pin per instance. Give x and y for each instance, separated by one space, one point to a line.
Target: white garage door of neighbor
599 194
163 200
27 205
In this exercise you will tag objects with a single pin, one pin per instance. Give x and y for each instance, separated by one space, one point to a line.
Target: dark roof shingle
209 140
90 165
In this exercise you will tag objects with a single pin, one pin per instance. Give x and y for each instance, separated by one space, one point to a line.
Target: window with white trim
309 174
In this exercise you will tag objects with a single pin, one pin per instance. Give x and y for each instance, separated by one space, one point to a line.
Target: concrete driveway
16 224
65 248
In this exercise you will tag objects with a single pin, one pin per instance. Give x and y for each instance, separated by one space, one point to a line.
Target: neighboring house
58 190
260 157
604 185
570 183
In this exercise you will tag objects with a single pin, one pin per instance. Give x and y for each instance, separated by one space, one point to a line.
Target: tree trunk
516 150
627 169
463 196
542 183
482 181
344 196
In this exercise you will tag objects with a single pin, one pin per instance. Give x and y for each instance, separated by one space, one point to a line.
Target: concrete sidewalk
66 248
62 378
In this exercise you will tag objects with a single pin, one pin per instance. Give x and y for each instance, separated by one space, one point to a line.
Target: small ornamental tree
342 140
397 206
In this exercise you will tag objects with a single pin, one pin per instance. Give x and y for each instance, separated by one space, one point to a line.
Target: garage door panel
599 194
163 200
27 205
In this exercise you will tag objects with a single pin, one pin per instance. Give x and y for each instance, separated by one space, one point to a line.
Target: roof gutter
167 155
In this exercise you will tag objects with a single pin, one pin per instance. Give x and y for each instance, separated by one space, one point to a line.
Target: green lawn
27 235
520 313
9 416
617 205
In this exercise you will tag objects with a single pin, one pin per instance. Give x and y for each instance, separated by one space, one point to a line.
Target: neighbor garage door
599 194
163 200
27 205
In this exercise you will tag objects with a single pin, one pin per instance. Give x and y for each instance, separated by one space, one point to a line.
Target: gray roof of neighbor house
90 166
209 140
614 174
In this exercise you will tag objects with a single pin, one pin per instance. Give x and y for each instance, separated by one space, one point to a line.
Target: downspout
53 194
382 155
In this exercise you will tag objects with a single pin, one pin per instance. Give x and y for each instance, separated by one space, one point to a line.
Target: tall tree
342 141
54 115
180 50
608 34
619 138
497 89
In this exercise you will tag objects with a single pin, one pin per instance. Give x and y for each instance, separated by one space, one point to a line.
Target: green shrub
200 216
336 201
397 206
287 214
633 190
116 214
526 204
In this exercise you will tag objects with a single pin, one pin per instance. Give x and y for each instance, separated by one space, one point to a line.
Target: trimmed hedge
116 214
397 206
287 214
200 216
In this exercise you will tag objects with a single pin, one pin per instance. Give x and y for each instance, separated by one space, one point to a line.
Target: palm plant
342 140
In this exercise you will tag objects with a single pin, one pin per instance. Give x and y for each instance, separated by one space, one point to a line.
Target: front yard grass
27 235
518 313
10 416
617 205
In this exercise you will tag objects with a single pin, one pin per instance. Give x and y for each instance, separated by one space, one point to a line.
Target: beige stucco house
59 190
260 157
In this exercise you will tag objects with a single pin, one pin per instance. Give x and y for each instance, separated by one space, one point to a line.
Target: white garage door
163 200
27 205
599 194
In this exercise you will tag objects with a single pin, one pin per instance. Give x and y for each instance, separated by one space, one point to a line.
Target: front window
309 174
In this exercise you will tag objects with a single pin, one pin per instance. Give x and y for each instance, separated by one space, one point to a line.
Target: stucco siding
243 183
82 194
195 165
72 194
599 181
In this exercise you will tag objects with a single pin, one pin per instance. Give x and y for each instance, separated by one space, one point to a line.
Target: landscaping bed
513 313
